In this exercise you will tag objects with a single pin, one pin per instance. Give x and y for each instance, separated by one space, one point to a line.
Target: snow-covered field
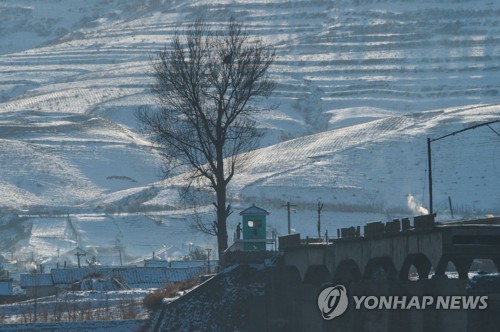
78 306
361 85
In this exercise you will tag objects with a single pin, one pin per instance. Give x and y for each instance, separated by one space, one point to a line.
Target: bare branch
205 82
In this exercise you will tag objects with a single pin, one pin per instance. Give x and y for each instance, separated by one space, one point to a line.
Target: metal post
320 207
451 207
431 210
289 218
288 206
78 256
208 259
430 174
35 292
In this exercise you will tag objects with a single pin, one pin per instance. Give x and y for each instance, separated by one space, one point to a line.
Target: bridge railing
392 227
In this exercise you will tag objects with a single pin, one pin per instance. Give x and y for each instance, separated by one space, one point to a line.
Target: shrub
153 300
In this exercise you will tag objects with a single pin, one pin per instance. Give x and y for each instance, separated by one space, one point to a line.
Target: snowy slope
361 85
377 170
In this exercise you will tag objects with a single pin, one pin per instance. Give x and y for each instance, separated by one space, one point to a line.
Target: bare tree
204 85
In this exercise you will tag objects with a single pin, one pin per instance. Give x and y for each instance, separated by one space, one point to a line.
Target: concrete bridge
388 251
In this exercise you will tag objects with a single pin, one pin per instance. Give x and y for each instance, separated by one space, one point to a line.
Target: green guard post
254 228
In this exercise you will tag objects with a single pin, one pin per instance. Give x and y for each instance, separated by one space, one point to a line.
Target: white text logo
420 302
332 302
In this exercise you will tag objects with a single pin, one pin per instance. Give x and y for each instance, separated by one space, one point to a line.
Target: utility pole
78 257
451 207
35 291
429 154
320 207
208 258
288 206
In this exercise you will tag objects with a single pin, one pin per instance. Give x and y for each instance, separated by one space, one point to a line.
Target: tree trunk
221 220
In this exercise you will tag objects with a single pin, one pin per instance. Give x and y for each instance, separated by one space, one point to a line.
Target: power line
496 132
429 154
469 128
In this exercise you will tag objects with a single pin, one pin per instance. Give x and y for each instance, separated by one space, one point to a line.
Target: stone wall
249 257
277 298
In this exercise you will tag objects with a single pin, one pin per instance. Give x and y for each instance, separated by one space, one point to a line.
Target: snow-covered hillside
361 85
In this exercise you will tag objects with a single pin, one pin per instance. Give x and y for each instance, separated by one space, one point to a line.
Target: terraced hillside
361 84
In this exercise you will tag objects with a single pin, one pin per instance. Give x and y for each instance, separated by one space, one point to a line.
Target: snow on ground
77 306
360 86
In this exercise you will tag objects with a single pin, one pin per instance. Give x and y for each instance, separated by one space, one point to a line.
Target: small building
45 284
6 288
254 228
38 284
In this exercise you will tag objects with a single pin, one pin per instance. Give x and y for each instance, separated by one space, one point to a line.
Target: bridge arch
288 274
347 271
420 261
380 268
461 264
486 265
317 274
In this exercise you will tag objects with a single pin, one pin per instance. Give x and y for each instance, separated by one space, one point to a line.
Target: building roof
6 287
174 264
135 277
36 280
254 210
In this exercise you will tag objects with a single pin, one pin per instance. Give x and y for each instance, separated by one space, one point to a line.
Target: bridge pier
423 269
440 270
463 266
496 261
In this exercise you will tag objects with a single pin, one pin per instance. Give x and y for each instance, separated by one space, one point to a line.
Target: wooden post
78 257
320 207
288 206
451 207
429 156
208 259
